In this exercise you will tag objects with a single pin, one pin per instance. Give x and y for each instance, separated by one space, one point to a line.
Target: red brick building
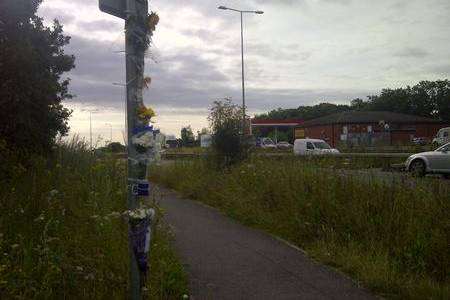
369 128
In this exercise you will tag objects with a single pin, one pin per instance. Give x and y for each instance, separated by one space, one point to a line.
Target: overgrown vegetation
62 234
229 145
391 236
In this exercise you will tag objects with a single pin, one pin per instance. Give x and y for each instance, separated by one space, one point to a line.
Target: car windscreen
444 148
321 145
268 142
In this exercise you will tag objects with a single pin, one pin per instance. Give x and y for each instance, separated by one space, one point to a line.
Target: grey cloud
441 69
100 25
51 13
412 52
180 80
266 50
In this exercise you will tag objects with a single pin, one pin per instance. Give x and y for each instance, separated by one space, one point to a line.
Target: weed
392 235
62 235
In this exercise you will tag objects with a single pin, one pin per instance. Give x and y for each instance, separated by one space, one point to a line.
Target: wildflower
94 217
114 214
40 218
79 269
53 193
185 296
14 246
51 239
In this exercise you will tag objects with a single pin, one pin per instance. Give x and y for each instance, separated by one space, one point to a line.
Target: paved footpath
226 260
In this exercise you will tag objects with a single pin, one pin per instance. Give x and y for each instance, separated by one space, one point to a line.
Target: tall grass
392 236
61 234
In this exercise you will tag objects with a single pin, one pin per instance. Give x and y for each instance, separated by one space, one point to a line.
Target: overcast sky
299 52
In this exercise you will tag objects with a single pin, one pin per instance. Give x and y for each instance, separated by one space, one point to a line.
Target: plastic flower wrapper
143 139
140 233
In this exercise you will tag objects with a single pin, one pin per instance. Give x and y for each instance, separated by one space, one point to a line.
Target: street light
110 133
90 110
259 12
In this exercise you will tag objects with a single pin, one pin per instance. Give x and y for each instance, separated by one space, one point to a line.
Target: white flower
14 246
78 268
114 214
53 193
140 213
40 218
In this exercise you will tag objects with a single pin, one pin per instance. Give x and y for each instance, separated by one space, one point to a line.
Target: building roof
275 122
349 117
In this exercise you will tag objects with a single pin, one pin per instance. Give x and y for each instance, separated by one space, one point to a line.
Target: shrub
229 144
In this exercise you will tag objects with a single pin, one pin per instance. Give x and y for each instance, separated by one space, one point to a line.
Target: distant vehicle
284 145
442 136
205 140
172 143
312 147
433 162
265 143
420 141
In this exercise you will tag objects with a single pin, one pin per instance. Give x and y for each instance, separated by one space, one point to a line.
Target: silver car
432 162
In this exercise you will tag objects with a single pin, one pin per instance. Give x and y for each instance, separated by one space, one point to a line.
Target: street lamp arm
241 11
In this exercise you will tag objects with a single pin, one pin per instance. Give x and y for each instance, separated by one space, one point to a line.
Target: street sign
113 7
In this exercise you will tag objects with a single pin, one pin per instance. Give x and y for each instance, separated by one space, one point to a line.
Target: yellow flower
145 113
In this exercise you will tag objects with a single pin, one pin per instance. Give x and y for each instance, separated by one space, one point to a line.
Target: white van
312 147
442 136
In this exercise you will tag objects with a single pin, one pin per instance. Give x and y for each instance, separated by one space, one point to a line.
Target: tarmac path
226 260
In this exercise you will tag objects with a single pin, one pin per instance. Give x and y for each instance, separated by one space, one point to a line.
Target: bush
228 143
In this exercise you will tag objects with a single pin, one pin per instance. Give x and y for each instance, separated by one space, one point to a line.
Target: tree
32 61
225 121
427 98
187 136
358 104
115 147
305 112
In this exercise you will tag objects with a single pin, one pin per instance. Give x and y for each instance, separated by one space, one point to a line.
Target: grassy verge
334 162
390 236
61 234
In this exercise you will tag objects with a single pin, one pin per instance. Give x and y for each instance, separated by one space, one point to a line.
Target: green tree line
427 99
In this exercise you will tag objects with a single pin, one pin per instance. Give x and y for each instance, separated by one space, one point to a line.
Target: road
226 260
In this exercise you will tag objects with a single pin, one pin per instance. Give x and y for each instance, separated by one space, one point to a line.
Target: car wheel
417 168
